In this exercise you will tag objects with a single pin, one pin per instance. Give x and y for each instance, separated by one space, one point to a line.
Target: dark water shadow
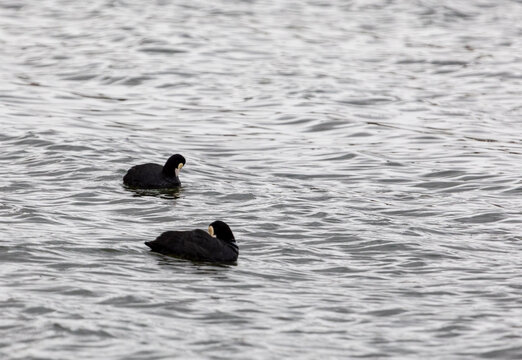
173 193
172 260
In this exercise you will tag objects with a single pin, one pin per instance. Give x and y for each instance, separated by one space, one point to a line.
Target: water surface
366 154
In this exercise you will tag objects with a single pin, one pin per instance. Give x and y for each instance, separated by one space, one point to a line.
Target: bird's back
147 176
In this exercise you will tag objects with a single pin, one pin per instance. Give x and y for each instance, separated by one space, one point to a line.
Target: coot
218 245
155 176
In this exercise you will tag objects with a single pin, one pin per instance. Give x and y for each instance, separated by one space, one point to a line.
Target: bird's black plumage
155 176
198 245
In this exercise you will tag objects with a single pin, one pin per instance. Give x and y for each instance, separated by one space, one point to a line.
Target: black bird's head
173 165
221 230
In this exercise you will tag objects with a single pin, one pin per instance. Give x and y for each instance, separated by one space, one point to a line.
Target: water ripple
366 155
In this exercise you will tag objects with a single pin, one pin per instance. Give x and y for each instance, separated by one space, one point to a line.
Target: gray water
366 154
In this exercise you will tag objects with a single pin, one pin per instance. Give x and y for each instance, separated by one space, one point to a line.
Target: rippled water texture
367 155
